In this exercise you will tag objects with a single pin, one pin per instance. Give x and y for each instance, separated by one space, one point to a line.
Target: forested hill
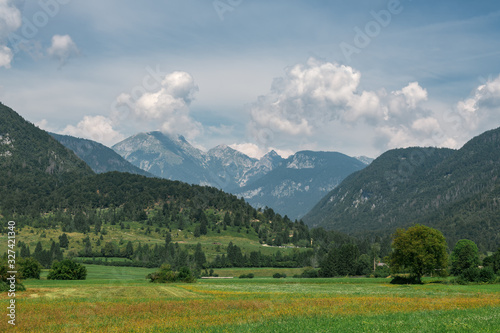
32 163
457 192
43 184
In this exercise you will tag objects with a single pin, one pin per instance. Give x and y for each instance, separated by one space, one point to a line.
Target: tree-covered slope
32 163
455 191
45 185
99 157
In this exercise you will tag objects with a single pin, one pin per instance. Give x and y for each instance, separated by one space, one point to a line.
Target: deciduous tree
465 255
419 250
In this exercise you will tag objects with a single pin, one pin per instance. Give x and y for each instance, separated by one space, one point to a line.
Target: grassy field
119 299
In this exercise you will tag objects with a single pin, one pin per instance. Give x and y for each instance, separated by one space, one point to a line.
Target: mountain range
44 185
290 186
299 182
456 191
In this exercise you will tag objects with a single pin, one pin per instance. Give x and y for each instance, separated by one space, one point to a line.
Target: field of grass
120 299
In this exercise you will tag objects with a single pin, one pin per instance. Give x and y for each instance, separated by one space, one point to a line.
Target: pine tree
38 252
199 256
168 239
129 250
203 224
227 220
64 241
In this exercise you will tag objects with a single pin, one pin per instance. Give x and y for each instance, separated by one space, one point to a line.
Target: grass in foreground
123 301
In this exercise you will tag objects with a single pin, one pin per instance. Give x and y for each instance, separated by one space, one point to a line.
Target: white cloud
63 48
427 125
44 124
254 151
414 94
6 56
285 153
167 109
10 18
249 149
10 21
223 130
481 110
97 128
316 96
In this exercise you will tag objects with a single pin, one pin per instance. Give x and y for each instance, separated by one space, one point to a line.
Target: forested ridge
456 191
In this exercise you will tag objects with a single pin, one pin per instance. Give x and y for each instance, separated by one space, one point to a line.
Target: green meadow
120 299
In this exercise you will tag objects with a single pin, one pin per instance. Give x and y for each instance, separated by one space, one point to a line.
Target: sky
357 77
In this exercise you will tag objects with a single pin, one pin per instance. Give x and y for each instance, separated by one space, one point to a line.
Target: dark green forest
455 191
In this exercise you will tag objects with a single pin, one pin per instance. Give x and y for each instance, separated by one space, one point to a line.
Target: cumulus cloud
254 151
249 149
6 56
482 109
10 21
44 124
62 49
97 128
313 97
10 18
166 109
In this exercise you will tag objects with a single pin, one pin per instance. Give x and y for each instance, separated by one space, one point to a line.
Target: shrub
310 272
279 275
382 272
29 268
67 270
470 274
167 275
185 275
247 276
406 280
487 275
6 284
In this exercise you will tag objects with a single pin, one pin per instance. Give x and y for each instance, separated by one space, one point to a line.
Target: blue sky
357 77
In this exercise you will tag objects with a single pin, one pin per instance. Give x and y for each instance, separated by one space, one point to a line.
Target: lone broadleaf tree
465 255
419 250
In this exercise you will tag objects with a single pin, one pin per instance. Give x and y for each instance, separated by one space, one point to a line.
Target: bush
279 275
470 274
382 272
167 275
487 275
67 270
29 268
5 285
406 280
310 272
247 276
185 275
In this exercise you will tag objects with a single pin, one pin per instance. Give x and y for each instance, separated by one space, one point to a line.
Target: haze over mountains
290 186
